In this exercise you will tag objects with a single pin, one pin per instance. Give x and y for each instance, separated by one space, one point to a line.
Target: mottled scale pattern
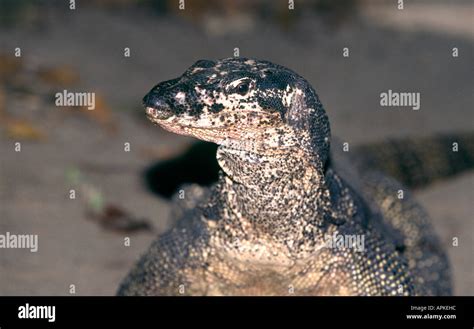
264 227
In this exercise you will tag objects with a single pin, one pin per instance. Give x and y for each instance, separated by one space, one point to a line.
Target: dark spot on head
216 108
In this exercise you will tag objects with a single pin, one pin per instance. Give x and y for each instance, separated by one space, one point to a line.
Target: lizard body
264 227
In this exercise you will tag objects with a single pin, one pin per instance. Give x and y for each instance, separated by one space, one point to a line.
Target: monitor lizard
266 226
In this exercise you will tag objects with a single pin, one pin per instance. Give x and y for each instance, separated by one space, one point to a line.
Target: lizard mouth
231 140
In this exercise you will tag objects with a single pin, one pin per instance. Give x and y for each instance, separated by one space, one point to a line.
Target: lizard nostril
151 112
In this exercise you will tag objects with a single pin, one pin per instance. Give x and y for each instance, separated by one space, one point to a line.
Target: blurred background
103 155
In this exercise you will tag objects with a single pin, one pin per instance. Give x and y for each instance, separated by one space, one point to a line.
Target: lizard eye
243 88
240 86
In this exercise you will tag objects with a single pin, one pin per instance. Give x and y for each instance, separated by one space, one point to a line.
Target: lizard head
244 105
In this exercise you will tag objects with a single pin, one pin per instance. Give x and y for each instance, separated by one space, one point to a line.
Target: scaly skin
263 228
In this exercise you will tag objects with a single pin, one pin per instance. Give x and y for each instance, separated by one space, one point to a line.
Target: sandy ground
74 250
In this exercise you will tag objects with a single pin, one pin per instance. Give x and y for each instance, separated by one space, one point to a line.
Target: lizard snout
156 107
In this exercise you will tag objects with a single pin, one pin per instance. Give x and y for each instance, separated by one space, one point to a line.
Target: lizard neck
283 196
